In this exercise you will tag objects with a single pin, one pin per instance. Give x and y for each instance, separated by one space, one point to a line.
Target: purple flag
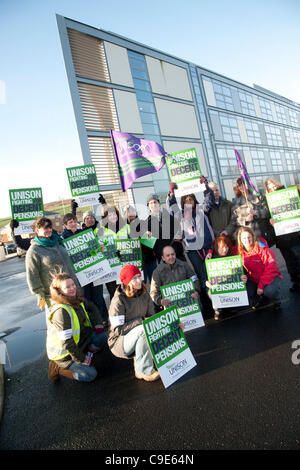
136 157
244 174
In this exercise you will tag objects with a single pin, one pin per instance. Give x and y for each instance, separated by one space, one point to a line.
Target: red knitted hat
127 273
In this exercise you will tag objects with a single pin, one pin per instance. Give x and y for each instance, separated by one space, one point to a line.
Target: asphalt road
243 393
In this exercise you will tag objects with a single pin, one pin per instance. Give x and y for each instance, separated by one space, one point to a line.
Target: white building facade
119 84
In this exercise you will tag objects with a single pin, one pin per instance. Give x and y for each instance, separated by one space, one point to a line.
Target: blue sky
249 41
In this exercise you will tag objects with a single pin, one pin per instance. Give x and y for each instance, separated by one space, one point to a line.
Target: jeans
272 290
198 265
95 295
84 373
135 342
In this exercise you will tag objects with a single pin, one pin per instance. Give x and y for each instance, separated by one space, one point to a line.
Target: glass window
266 110
141 85
148 118
253 132
247 104
280 112
276 161
136 73
223 95
144 96
227 161
293 117
273 135
150 129
146 107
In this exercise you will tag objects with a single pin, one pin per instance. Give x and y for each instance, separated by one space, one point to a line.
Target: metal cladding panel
98 107
103 158
88 56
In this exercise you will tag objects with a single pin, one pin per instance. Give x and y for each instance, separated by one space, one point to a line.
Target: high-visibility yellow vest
56 337
122 233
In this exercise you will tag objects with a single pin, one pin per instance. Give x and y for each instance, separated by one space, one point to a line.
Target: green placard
224 274
284 208
129 250
183 166
26 204
164 335
82 180
179 293
110 250
83 250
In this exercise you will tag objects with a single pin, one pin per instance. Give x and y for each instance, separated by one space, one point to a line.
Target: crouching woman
130 305
261 268
74 332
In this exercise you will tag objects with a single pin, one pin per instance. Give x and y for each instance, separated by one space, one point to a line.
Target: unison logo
175 368
93 272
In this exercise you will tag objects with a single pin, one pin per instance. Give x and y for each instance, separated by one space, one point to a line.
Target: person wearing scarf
46 256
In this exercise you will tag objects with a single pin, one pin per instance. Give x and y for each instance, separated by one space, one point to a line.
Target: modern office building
119 84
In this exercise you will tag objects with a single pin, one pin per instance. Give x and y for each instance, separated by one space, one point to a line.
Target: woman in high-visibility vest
74 332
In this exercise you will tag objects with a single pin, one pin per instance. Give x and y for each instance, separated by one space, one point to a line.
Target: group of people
79 323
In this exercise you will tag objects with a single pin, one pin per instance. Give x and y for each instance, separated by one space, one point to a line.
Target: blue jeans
135 342
198 265
84 373
271 291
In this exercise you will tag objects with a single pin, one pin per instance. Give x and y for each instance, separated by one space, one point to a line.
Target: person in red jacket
261 269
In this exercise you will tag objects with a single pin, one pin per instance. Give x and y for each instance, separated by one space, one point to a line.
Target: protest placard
184 170
84 185
26 205
188 307
168 345
88 261
284 208
227 288
113 259
129 251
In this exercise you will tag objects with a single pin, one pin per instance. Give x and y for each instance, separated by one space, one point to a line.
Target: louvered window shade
98 107
103 157
88 56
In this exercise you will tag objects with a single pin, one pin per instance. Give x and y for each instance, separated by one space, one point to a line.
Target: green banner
82 180
88 261
26 204
129 250
179 293
183 166
226 285
284 209
168 345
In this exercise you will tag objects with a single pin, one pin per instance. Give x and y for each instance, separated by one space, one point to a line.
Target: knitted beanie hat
88 213
128 272
152 197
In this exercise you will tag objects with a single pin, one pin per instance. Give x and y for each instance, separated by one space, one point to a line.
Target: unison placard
225 277
184 170
84 184
284 208
179 293
26 205
88 261
168 345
